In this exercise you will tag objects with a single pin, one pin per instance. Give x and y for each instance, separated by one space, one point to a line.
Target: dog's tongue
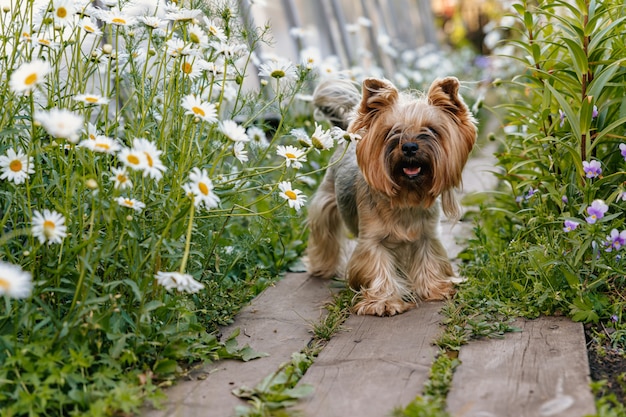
412 171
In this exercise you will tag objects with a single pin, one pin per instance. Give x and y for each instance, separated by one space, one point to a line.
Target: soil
606 363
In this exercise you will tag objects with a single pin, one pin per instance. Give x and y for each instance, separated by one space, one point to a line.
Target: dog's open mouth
411 172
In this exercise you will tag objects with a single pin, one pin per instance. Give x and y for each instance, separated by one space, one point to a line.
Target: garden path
376 364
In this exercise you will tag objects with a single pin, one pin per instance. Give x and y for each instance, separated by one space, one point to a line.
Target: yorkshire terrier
388 189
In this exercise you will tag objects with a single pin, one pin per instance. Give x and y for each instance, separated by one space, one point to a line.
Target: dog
388 189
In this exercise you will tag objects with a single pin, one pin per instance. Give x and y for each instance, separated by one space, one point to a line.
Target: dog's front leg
372 272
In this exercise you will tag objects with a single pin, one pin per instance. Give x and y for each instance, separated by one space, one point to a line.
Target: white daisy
101 144
42 40
278 68
92 131
28 75
95 99
130 203
293 156
177 47
257 137
322 139
153 22
16 167
49 226
294 197
89 26
178 281
201 187
197 35
229 50
302 137
116 17
63 11
233 131
192 67
15 282
133 158
239 152
183 15
61 123
121 179
202 109
154 167
215 30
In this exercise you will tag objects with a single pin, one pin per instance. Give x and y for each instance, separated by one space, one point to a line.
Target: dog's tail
335 99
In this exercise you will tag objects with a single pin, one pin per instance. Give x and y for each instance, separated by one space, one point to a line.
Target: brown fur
387 192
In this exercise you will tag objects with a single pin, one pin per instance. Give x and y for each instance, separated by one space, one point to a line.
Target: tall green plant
560 219
145 195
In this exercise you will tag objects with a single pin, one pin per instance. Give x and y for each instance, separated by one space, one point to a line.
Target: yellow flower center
194 38
317 143
122 178
128 202
15 165
5 284
133 159
289 155
91 99
150 160
277 74
118 21
89 29
31 79
48 228
61 12
187 67
204 189
104 146
197 110
44 42
291 195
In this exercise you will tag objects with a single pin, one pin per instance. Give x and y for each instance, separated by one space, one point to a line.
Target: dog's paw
382 307
443 290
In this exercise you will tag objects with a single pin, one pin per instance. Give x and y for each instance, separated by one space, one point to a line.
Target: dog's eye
432 131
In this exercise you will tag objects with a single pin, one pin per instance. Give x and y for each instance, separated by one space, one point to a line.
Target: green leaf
165 367
567 109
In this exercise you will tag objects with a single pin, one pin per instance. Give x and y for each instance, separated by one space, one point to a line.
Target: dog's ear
444 93
377 95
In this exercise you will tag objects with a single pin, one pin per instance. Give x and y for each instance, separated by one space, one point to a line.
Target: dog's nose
409 148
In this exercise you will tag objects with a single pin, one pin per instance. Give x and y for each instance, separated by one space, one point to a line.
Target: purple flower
621 196
562 117
531 192
594 112
564 199
614 318
622 148
596 211
570 225
615 240
592 169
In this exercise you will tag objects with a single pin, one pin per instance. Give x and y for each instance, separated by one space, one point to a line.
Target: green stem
183 263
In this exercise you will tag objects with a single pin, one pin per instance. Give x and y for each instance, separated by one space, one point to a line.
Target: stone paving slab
538 372
375 364
278 322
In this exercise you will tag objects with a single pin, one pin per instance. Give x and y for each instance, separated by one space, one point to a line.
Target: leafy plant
555 231
145 195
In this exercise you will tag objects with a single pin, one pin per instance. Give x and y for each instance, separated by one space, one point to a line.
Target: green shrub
551 239
108 288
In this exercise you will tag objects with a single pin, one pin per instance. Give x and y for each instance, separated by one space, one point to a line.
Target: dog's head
413 149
